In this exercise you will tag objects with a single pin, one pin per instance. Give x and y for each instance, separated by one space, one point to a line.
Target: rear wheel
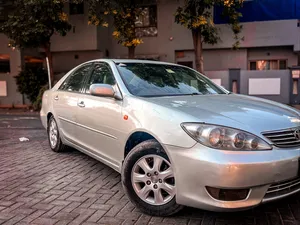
53 136
148 179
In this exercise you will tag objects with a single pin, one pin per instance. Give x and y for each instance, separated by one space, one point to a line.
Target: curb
13 112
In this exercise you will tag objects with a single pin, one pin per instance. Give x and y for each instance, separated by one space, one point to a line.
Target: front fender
161 123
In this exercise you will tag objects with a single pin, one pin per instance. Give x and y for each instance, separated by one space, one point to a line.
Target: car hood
239 111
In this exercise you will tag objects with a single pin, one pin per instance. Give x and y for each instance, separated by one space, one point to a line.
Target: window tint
101 74
74 82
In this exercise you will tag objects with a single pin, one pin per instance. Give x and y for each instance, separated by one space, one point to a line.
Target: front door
99 119
65 101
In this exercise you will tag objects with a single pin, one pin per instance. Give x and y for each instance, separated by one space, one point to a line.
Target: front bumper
200 166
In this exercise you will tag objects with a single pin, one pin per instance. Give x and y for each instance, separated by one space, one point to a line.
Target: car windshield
152 80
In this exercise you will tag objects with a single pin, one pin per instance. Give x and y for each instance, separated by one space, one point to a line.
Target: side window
101 74
75 81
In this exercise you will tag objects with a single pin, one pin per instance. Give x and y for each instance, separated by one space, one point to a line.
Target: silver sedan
176 137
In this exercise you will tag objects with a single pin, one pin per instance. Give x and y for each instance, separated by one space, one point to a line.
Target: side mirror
104 90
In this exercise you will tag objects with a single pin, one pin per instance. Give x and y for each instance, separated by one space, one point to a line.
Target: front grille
282 189
283 138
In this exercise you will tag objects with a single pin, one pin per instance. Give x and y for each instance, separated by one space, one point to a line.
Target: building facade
270 48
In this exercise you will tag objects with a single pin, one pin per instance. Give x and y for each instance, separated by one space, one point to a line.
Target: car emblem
297 134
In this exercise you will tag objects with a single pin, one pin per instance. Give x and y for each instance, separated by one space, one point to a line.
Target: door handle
56 98
81 104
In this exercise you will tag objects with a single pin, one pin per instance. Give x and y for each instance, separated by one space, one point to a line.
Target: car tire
159 202
53 136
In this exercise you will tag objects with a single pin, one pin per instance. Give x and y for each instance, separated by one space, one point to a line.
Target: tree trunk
49 55
131 51
197 40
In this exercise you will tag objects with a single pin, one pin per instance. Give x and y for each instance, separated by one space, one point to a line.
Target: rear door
65 101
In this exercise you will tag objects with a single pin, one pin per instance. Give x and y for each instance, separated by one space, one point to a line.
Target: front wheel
148 179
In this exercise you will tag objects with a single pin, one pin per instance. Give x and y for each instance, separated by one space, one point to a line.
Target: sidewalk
18 112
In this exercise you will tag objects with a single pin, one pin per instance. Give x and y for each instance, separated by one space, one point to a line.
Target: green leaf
188 14
30 25
30 80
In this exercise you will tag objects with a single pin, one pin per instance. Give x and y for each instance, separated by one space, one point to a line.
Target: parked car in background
177 138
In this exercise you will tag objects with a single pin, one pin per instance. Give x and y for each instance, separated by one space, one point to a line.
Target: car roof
133 61
140 61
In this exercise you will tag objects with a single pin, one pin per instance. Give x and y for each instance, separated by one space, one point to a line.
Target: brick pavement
38 186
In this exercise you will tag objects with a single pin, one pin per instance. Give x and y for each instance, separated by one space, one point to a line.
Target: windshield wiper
194 93
169 95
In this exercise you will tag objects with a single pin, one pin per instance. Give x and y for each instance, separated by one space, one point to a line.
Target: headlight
224 138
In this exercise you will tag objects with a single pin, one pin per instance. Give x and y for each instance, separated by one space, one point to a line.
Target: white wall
221 59
13 97
224 59
259 34
31 52
65 61
90 42
160 45
269 84
280 82
256 34
15 56
104 37
84 38
222 76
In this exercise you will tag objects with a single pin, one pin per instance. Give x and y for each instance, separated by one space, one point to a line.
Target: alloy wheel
153 180
53 134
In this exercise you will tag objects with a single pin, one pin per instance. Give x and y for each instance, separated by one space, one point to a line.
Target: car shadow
285 210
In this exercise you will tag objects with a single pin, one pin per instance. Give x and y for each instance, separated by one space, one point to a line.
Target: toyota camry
176 138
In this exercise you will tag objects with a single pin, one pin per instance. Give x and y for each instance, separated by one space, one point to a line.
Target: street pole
49 75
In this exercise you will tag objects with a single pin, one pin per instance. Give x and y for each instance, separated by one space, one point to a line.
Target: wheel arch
49 114
137 137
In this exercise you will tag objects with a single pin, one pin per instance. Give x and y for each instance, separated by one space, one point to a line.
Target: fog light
228 194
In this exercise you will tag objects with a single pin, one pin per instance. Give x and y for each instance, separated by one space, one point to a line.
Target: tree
196 15
31 24
30 80
124 14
